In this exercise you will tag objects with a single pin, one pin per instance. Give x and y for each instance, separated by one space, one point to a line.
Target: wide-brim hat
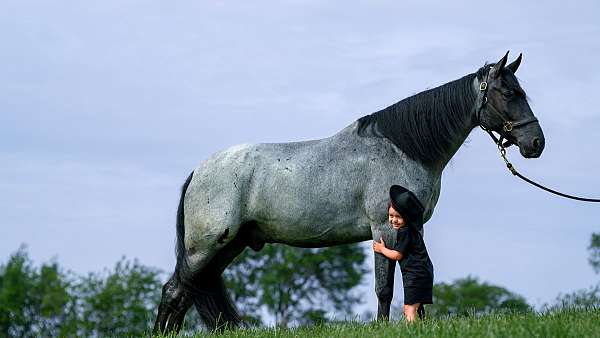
408 205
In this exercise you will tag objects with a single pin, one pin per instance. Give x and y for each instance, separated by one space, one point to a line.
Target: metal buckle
508 126
483 86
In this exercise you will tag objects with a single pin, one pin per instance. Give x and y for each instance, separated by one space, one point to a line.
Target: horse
333 190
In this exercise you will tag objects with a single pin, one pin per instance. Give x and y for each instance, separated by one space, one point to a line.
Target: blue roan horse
334 190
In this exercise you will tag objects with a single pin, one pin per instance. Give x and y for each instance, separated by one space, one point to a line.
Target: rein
507 126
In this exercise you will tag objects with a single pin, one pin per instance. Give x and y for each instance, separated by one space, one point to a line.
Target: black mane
424 126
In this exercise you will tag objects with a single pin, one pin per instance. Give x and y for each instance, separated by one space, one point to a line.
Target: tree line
293 286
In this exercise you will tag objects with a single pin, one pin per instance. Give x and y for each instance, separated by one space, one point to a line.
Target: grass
560 323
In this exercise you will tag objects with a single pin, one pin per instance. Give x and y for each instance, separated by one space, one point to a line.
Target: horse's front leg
384 271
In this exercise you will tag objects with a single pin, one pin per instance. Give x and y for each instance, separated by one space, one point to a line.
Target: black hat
408 205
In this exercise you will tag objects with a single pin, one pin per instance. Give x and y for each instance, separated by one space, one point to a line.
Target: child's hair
390 205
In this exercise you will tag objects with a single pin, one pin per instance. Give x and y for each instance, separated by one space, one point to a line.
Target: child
405 214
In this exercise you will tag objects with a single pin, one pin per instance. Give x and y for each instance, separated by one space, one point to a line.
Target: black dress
416 267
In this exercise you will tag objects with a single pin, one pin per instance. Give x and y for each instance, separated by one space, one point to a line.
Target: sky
106 107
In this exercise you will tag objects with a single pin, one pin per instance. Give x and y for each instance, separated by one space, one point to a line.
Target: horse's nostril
537 143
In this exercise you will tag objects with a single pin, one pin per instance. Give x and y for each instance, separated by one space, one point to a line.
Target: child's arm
379 247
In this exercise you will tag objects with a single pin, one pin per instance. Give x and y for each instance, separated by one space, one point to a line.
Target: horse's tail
181 267
214 305
207 290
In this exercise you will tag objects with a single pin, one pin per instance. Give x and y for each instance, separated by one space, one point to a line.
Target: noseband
507 125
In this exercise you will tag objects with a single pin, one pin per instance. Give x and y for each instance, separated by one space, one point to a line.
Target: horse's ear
515 64
497 69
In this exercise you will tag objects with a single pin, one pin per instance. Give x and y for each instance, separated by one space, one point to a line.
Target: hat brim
408 205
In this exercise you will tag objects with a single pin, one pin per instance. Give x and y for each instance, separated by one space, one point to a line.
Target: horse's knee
384 293
170 286
172 292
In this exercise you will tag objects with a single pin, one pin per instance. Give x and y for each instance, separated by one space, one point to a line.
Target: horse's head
505 109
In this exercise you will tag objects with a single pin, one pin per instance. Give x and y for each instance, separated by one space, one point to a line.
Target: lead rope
514 171
507 127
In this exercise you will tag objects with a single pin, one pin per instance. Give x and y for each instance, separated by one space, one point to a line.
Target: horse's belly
315 235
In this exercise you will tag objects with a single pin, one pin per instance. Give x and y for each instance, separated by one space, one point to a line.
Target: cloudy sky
105 107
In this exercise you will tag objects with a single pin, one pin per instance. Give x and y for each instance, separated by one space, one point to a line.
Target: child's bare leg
410 311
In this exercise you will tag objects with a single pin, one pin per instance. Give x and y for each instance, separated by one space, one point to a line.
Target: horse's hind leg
213 237
173 306
208 292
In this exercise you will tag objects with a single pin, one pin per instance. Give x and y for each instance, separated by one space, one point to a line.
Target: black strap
514 171
507 125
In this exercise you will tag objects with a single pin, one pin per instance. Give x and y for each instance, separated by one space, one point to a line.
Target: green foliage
120 302
470 296
594 250
45 302
294 284
584 298
34 302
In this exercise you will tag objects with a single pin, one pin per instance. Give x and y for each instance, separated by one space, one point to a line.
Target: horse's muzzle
534 149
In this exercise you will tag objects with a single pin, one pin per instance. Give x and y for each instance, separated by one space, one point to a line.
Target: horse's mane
423 125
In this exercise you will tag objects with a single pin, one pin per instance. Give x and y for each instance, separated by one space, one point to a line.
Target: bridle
507 127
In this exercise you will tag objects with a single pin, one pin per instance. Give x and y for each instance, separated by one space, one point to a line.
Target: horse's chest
390 170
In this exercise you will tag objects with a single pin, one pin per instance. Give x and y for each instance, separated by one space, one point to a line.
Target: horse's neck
453 148
428 127
453 145
470 122
467 122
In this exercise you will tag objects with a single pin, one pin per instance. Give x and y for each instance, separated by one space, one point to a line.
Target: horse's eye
508 94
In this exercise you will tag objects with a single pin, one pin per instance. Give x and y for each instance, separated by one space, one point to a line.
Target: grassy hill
563 323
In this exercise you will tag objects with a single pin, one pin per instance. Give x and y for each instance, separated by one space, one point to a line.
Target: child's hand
379 246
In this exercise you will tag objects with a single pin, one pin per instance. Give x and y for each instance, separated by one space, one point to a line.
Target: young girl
405 214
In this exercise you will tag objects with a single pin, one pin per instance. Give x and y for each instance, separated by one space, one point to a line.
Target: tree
35 302
594 250
583 298
120 302
590 297
470 296
294 284
46 302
